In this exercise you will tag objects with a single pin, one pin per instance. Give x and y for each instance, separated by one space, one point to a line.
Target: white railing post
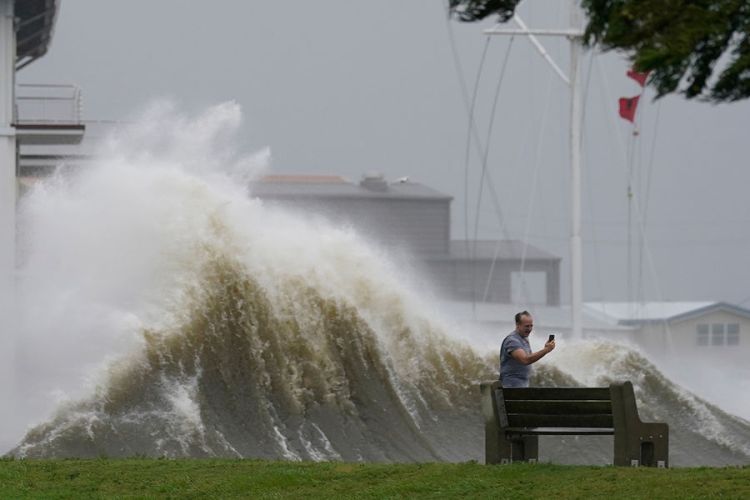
7 211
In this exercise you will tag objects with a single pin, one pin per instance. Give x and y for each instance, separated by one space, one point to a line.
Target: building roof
633 313
302 179
499 249
36 22
323 187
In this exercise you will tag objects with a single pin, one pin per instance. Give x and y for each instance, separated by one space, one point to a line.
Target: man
516 357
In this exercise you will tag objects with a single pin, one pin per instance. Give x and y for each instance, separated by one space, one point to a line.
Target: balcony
48 115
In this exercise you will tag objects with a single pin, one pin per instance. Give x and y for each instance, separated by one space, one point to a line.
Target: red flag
638 77
628 106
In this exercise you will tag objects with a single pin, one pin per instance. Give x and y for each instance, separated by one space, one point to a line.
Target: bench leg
497 449
513 449
648 446
500 449
525 448
658 434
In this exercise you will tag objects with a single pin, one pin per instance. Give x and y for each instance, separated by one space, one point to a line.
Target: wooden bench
514 418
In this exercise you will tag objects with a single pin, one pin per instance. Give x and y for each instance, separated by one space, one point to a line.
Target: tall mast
575 35
576 247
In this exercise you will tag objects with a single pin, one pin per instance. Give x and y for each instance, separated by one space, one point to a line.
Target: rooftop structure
372 186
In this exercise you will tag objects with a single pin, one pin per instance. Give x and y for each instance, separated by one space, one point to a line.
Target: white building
688 330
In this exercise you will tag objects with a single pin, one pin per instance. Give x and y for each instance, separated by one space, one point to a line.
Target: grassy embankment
139 478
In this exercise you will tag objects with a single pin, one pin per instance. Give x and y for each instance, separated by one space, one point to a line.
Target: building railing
48 104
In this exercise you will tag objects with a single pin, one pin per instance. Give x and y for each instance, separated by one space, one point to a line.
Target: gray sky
342 87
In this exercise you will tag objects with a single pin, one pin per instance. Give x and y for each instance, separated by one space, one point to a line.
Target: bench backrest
554 407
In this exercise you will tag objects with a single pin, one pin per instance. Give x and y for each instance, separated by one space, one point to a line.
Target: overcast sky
343 87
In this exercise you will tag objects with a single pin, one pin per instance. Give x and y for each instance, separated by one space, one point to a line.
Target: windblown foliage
698 48
474 10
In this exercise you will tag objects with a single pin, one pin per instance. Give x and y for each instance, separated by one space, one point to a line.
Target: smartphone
551 337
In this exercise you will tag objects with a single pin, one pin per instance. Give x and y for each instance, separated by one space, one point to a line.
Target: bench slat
561 431
528 420
557 393
559 407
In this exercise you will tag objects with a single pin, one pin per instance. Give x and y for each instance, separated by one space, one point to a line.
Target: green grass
154 478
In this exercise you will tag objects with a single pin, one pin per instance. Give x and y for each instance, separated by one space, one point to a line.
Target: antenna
575 35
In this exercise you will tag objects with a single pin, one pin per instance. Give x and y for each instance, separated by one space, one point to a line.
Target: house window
703 334
717 334
733 334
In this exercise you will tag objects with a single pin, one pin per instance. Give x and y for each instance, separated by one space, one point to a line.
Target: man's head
524 323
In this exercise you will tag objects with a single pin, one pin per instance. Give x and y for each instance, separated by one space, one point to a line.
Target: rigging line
615 132
472 248
634 181
535 181
495 204
482 176
469 105
649 257
606 95
651 160
647 192
503 228
477 142
498 211
652 268
471 124
487 141
589 197
494 198
630 193
638 181
524 284
537 156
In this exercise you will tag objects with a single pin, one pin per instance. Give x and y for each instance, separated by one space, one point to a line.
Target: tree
698 48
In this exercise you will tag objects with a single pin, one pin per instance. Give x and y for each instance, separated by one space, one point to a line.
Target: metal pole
576 252
7 214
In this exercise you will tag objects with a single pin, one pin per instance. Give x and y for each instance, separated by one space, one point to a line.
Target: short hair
522 314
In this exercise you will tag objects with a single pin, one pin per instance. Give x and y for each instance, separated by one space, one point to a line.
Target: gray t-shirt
512 372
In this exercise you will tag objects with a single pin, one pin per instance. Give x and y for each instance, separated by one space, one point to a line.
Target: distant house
405 215
686 329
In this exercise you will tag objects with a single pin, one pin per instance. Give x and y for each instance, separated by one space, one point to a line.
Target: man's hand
527 359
